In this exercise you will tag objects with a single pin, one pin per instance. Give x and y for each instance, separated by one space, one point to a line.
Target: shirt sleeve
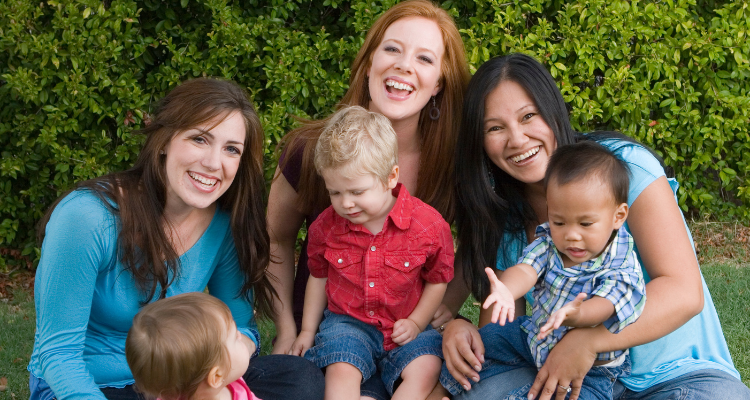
625 288
78 242
316 248
439 264
536 255
225 284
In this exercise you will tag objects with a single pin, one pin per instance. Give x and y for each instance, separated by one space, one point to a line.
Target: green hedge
78 78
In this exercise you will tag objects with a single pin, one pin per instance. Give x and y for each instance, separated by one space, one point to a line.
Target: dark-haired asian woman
188 216
514 119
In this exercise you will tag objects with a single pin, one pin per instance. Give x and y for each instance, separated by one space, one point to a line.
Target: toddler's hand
404 331
505 304
566 315
304 341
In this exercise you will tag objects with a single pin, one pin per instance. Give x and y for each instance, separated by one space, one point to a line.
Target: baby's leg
342 381
419 378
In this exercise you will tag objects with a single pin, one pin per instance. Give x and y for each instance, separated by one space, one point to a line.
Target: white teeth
525 155
203 180
399 85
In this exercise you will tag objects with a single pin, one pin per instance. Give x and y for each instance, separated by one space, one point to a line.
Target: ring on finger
441 328
566 388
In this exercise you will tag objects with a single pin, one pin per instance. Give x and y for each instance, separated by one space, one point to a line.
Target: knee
424 367
343 371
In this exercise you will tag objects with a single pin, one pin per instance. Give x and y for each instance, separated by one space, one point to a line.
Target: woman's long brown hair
436 176
138 195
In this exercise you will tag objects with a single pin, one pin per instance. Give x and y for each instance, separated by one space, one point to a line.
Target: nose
212 159
347 202
572 235
403 64
516 136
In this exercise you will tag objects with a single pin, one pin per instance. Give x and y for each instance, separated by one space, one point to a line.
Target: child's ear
393 177
621 214
215 378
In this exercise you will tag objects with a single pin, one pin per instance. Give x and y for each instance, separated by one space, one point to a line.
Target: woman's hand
442 316
567 364
463 351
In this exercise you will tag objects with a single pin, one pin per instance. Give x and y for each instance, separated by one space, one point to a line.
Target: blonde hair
358 141
175 342
438 137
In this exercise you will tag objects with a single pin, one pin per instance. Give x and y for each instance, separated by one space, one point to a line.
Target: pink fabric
379 279
240 391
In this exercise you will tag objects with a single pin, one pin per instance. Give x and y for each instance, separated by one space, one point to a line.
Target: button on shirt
615 275
379 279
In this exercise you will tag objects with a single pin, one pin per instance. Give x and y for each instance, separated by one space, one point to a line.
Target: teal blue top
697 345
85 301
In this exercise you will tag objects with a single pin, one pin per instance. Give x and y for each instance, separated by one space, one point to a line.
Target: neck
205 392
408 135
537 198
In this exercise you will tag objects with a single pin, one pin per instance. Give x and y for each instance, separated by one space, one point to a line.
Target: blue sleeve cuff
255 337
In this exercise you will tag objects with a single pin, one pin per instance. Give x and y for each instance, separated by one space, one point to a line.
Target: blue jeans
345 339
506 349
270 377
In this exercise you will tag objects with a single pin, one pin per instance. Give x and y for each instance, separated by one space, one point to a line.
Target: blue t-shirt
699 343
85 301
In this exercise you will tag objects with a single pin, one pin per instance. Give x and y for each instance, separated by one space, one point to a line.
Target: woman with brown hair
188 215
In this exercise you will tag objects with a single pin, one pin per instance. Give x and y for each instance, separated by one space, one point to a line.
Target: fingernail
531 396
481 358
475 378
467 387
478 368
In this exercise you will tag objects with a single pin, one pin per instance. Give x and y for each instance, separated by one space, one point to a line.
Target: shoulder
321 227
644 167
425 215
81 208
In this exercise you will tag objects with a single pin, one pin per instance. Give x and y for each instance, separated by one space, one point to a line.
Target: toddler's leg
342 381
419 378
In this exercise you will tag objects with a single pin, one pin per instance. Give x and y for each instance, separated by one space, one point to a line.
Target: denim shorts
506 349
346 339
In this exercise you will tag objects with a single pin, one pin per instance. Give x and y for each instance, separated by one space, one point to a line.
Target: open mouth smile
398 88
517 159
202 180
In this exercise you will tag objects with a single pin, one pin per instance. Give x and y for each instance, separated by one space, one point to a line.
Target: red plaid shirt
379 279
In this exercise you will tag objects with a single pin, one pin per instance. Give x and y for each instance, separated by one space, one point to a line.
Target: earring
434 111
162 152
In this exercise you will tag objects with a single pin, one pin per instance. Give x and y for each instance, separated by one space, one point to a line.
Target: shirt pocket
402 272
347 265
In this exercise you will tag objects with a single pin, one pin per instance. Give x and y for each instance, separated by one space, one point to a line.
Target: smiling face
201 163
582 216
516 137
362 198
405 68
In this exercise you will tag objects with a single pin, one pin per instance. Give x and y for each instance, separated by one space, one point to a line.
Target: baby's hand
404 331
505 304
304 341
566 315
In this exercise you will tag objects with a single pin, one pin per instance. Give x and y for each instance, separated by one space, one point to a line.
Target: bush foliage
77 79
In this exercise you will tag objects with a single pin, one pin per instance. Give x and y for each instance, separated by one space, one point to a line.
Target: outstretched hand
505 305
566 315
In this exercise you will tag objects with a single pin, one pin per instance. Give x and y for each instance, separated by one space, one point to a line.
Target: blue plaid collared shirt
615 275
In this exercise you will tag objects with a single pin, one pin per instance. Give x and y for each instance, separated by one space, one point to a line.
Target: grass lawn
723 250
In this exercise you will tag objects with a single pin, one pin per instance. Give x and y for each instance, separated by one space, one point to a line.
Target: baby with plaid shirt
582 267
379 263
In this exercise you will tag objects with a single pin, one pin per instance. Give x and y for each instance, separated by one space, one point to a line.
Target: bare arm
284 221
315 303
428 303
675 292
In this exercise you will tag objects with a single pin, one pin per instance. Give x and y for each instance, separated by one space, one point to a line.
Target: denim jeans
272 377
707 384
506 348
346 339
